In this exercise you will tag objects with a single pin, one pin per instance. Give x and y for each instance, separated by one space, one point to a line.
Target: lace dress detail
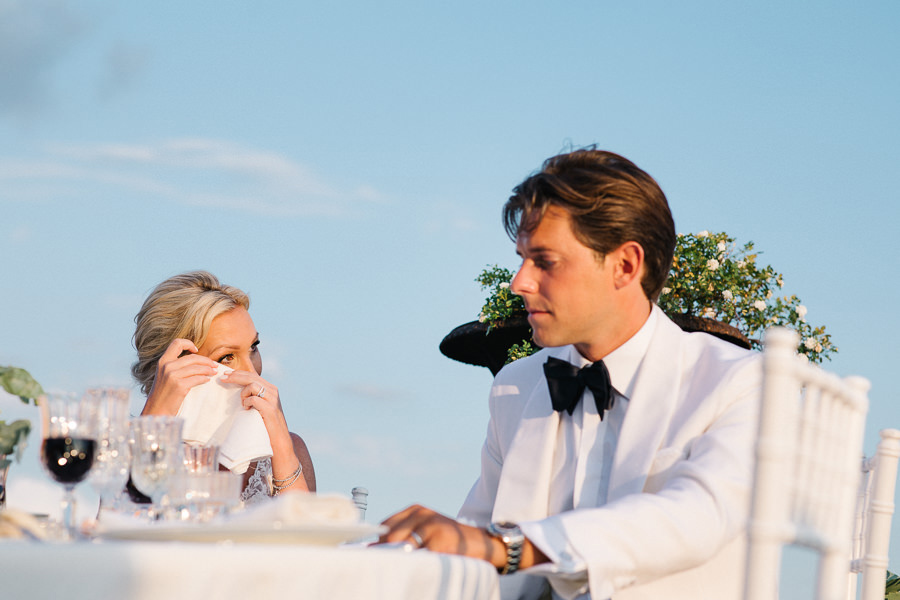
260 484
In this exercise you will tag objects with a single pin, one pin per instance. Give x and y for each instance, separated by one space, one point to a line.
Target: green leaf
12 434
20 383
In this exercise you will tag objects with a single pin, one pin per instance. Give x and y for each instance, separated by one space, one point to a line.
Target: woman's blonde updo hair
182 306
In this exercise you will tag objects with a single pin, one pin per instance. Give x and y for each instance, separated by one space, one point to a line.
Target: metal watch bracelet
513 538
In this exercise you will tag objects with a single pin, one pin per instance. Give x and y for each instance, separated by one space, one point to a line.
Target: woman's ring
262 391
417 539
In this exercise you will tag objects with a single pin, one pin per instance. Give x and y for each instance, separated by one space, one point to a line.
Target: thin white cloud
194 171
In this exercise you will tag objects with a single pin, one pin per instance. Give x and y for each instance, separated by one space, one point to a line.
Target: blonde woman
188 325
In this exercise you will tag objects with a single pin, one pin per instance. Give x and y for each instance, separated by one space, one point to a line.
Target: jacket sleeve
479 504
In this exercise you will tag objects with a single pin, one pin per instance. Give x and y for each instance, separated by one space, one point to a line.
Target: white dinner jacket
678 498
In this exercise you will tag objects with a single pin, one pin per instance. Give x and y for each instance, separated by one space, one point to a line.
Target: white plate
318 534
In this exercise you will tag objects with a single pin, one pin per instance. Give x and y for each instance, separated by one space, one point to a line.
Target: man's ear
629 264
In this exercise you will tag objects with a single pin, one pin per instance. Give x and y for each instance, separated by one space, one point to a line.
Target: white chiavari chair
874 513
807 470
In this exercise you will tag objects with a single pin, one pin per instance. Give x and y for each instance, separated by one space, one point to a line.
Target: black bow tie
566 383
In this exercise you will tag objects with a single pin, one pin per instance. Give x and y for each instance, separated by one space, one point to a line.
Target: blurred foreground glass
69 440
112 460
202 496
156 456
201 459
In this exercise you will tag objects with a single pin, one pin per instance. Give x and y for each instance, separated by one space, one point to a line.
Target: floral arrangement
501 305
19 383
712 278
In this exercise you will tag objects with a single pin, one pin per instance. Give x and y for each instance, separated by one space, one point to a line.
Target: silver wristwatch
513 538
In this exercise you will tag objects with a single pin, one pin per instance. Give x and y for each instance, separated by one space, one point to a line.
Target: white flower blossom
481 318
810 343
722 246
740 264
759 305
708 313
801 312
712 264
728 295
703 234
666 290
769 294
818 347
504 286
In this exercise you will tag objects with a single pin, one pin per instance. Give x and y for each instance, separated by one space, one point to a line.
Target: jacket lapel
523 492
649 411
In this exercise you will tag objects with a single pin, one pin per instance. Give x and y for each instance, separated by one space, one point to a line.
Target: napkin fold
214 415
301 509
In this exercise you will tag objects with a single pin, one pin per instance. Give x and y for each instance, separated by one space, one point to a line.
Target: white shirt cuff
550 538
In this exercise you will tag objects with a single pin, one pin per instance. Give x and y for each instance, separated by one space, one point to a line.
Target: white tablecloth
117 570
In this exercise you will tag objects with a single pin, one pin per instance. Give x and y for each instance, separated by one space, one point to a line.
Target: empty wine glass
69 442
112 460
156 456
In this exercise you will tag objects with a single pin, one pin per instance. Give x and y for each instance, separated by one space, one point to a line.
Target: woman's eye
226 359
255 346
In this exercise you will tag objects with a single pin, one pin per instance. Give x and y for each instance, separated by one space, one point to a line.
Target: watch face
508 531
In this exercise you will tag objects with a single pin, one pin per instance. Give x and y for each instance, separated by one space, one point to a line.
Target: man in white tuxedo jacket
635 482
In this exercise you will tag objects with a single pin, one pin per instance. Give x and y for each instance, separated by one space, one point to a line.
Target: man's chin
546 339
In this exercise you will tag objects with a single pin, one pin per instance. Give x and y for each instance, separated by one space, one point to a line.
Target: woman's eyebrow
217 349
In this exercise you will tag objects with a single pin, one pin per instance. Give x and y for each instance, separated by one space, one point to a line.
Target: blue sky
345 164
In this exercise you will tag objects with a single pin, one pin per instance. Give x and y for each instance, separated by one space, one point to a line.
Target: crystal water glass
157 456
112 461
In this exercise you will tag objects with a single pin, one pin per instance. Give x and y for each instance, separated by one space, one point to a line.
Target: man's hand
442 534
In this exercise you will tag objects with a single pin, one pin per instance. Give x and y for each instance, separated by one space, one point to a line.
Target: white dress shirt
585 447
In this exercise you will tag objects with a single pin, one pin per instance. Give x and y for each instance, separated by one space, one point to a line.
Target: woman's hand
268 404
263 396
176 374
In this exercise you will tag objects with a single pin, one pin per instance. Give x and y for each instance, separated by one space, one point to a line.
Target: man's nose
522 283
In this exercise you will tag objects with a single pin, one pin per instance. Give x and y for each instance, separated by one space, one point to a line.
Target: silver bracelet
282 484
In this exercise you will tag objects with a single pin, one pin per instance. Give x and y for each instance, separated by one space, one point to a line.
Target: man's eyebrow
535 250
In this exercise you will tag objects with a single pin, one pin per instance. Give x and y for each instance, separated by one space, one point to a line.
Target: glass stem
68 512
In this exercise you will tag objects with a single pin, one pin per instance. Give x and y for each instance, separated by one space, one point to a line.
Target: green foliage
17 382
892 587
13 435
517 351
501 304
713 278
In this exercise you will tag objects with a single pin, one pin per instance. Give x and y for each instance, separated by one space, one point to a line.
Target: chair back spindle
807 468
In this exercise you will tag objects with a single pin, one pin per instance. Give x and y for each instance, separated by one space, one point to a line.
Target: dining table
206 569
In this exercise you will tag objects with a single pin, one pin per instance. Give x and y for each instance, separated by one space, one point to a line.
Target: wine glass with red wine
68 446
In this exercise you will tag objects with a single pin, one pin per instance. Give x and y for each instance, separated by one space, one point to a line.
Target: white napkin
301 509
213 415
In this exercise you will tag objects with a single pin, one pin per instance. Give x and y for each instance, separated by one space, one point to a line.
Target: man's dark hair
611 201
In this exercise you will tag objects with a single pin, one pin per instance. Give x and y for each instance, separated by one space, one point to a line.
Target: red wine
68 459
